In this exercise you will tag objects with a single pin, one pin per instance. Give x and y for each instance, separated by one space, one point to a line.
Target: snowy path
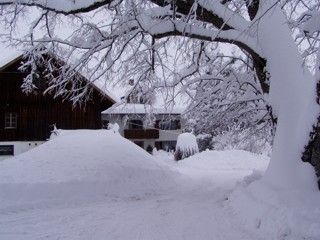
193 211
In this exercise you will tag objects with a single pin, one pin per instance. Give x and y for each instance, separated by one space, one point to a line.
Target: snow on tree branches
231 105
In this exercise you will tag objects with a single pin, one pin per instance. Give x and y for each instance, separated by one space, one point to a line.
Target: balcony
141 133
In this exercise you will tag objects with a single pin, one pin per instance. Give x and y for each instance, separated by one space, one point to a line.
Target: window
170 125
10 120
6 150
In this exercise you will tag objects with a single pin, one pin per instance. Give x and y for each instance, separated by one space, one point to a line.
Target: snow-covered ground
98 185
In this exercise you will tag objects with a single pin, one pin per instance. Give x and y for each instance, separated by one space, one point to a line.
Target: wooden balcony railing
141 133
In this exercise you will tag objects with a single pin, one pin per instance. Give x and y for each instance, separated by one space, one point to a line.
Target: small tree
186 146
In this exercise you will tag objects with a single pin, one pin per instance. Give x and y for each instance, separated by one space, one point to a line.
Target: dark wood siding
37 112
141 133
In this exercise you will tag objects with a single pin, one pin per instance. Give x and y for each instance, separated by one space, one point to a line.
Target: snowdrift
275 212
228 160
224 168
270 212
82 164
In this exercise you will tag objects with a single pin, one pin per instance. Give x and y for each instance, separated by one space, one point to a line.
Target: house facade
27 120
147 126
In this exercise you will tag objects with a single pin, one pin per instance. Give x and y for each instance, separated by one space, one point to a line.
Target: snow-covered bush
114 127
55 132
186 146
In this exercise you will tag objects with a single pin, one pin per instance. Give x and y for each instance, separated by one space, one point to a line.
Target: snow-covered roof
6 60
134 108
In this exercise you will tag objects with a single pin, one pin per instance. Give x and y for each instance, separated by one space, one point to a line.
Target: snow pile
224 168
276 213
226 160
271 213
186 146
82 164
162 154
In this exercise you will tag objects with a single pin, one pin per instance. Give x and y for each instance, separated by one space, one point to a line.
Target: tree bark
311 153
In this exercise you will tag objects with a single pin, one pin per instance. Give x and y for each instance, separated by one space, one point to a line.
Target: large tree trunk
293 100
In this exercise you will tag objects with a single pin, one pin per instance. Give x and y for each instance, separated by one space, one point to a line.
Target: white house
145 125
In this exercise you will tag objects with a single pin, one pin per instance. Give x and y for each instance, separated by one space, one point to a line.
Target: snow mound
83 163
277 213
226 160
227 168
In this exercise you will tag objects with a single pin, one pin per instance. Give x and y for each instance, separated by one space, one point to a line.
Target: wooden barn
27 120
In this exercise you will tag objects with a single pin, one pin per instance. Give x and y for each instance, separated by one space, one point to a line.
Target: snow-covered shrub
114 127
54 132
154 151
186 146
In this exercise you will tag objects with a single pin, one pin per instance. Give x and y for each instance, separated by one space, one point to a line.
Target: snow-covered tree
186 146
308 25
231 108
136 37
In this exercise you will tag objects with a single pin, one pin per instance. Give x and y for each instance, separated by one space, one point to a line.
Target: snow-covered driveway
192 207
190 213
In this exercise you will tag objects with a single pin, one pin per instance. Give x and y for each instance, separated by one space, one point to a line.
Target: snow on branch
160 28
229 17
61 6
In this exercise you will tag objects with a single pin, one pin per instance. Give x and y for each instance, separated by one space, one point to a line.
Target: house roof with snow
134 108
18 56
